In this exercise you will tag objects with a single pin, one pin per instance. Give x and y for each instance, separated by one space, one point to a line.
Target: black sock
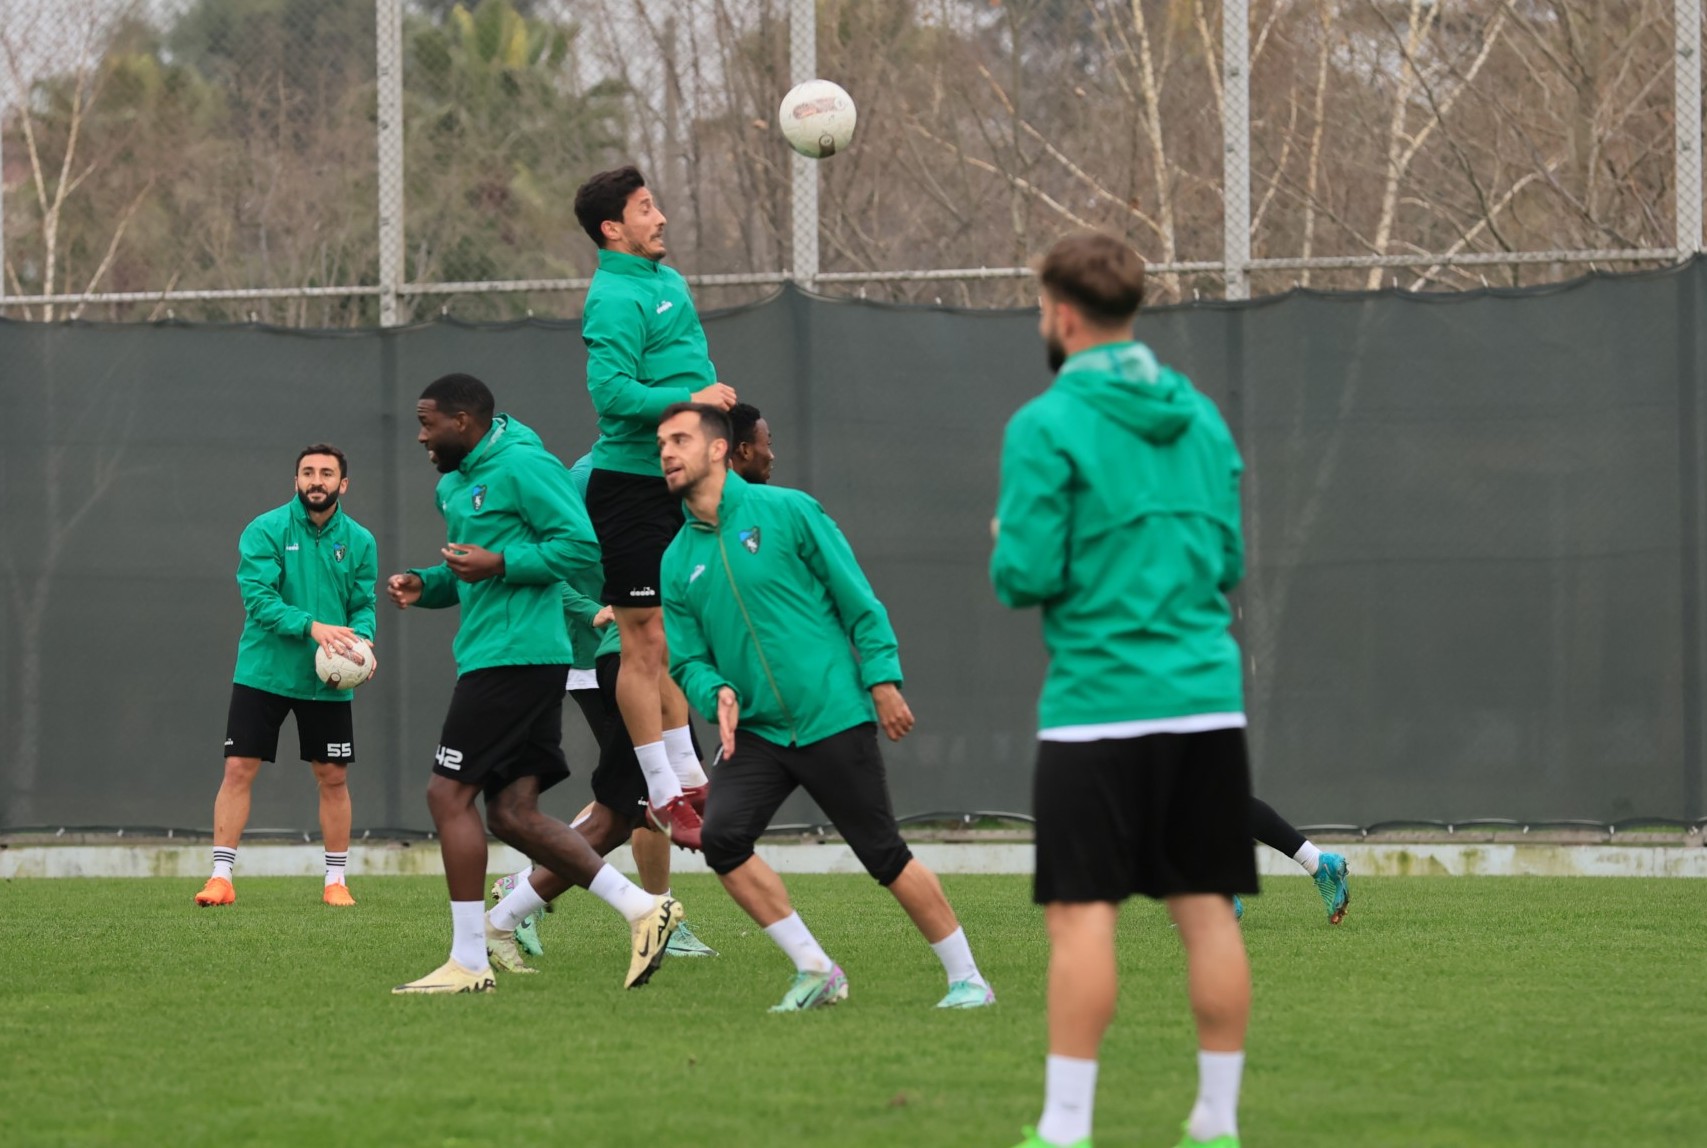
1274 830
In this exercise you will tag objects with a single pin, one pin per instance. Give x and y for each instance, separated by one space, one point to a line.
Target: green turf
1445 1011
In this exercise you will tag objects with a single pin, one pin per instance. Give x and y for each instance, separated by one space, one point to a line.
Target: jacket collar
734 494
622 263
300 513
488 442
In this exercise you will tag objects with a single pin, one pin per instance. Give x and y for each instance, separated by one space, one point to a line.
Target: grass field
1498 1011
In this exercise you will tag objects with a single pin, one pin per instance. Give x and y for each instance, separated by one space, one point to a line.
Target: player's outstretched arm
431 588
831 560
260 572
1029 564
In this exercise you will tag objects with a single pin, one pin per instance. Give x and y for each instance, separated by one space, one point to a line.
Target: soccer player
1119 517
1328 870
766 607
618 785
750 453
306 572
516 533
645 351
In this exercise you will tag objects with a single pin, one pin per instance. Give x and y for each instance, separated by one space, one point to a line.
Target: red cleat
696 797
678 821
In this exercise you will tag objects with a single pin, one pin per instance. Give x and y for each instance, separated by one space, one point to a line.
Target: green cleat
1033 1140
1330 879
527 933
684 944
1187 1141
814 990
968 994
1238 908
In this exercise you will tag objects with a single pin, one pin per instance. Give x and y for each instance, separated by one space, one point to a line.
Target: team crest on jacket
750 539
479 497
338 552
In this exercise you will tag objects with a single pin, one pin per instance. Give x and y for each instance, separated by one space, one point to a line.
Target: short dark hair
603 197
1097 273
458 394
325 448
743 424
712 420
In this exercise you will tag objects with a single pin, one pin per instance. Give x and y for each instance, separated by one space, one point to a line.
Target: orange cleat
217 891
338 894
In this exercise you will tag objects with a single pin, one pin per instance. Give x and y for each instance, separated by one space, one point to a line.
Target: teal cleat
527 933
968 994
814 990
684 944
1330 878
1033 1140
1238 908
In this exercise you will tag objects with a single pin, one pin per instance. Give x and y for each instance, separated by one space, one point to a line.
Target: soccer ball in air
818 119
340 672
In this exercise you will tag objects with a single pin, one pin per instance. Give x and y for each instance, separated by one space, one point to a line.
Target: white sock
1216 1112
620 893
662 785
468 934
1308 856
1070 1091
956 957
223 859
796 940
336 863
508 914
679 744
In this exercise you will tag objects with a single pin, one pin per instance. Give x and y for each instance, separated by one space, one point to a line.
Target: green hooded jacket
1119 516
645 350
293 574
767 602
513 497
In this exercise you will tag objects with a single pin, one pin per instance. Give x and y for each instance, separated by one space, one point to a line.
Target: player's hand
334 639
604 617
893 713
719 395
728 717
472 563
403 589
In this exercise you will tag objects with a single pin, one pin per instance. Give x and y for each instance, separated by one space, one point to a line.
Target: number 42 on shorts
448 758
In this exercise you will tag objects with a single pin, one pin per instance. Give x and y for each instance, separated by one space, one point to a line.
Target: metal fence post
1687 80
1236 146
802 66
389 13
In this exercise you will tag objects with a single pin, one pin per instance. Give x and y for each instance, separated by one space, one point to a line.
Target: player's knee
241 771
886 862
331 777
726 847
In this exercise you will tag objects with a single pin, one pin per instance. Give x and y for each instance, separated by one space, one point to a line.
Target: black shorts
1159 815
325 731
636 517
843 773
504 723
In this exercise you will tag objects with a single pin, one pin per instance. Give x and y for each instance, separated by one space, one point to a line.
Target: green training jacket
511 496
292 574
1119 516
645 350
582 594
767 602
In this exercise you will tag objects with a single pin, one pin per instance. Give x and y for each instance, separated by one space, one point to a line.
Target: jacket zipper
793 732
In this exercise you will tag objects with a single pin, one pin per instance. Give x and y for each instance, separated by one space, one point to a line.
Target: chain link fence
351 162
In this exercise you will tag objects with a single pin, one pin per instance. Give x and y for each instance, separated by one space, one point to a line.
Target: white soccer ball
818 118
340 672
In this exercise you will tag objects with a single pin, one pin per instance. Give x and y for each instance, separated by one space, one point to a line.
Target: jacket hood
1124 383
505 433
